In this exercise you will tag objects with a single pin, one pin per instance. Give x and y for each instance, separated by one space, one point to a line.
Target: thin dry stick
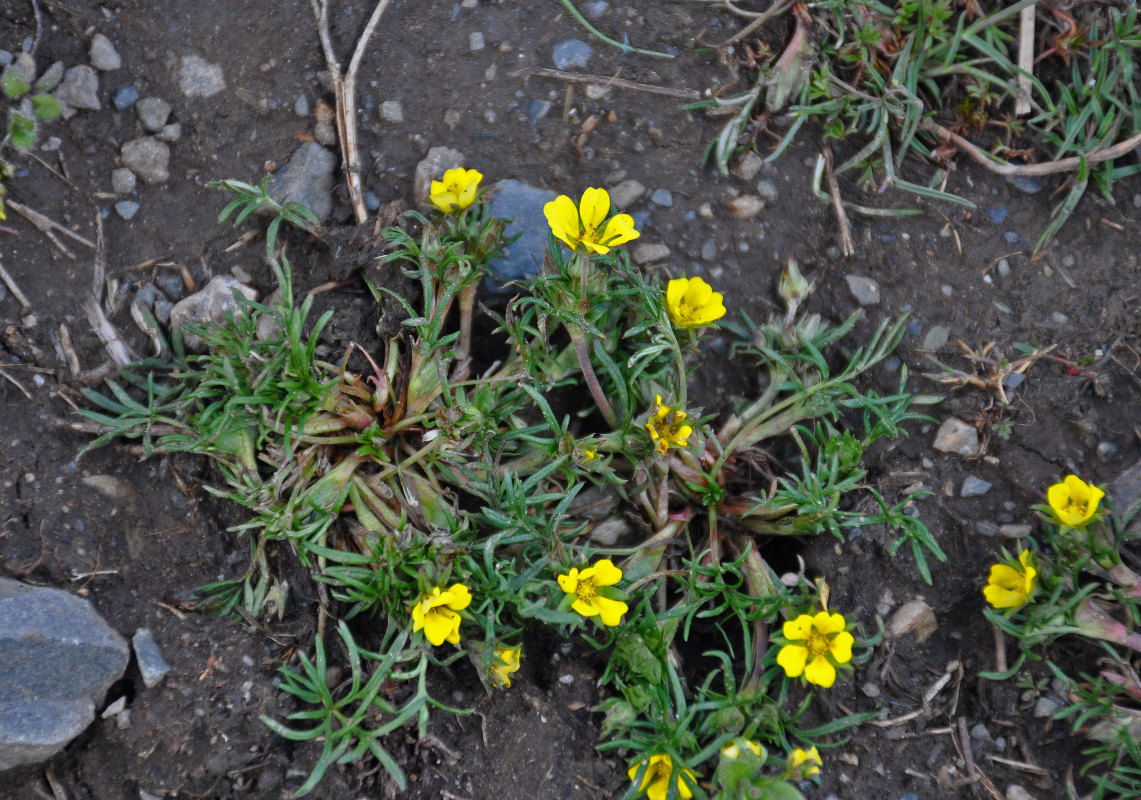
775 10
999 650
69 354
1025 60
616 82
1049 168
4 374
38 219
344 91
14 288
847 248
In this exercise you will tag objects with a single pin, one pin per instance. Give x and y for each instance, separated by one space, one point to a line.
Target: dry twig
1025 59
14 288
46 224
847 248
601 80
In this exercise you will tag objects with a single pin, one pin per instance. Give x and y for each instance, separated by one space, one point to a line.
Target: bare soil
137 546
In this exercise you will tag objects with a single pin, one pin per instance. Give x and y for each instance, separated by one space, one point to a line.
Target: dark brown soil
139 545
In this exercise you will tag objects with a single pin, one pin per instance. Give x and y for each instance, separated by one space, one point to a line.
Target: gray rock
522 205
475 41
1016 792
571 53
956 436
127 208
1003 268
1014 531
626 193
32 731
151 663
767 189
5 58
1046 706
210 305
392 111
974 487
648 253
171 132
153 113
537 109
79 89
104 57
148 158
748 166
865 290
307 179
915 617
709 250
935 338
197 77
57 657
596 8
125 97
1125 492
432 168
662 197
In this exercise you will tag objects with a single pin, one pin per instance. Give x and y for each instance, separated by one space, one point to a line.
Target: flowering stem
579 341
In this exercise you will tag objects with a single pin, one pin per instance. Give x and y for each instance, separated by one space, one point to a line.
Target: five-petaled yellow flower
1011 587
804 763
507 662
585 226
436 613
584 586
656 780
817 644
732 748
1074 501
667 427
456 191
692 303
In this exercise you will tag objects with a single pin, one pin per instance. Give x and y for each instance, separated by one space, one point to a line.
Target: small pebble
170 133
986 528
626 193
974 487
149 657
956 436
125 97
947 290
301 106
1025 183
1058 318
537 109
1003 268
51 144
1014 531
127 208
153 113
865 290
1106 451
596 8
371 201
1046 707
571 53
662 197
997 215
1014 380
650 253
6 59
123 181
746 206
935 338
748 166
709 250
392 111
567 679
1012 237
475 41
103 55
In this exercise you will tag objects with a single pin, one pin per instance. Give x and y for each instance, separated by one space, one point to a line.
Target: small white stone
475 41
392 111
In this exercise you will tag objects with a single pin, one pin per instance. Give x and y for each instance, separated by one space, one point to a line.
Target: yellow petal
999 597
458 597
841 647
593 208
675 291
605 573
683 789
698 293
798 628
619 230
1006 577
562 216
441 624
569 582
820 672
1077 488
828 623
585 608
1058 496
792 658
609 610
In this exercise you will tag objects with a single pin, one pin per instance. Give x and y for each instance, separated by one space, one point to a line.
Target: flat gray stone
153 113
571 53
392 111
148 158
171 132
149 657
32 731
127 208
197 77
103 55
767 189
935 338
748 166
648 253
210 305
79 88
865 290
123 181
956 436
307 179
626 193
974 487
522 205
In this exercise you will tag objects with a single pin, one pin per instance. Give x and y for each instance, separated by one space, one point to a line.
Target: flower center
816 644
585 591
1075 506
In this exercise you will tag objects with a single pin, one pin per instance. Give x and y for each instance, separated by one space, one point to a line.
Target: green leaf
13 83
22 131
51 78
46 107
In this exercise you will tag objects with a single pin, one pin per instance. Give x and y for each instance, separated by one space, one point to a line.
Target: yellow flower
586 225
435 613
1074 501
692 303
456 191
507 662
804 763
584 586
732 748
656 780
1011 587
666 427
817 644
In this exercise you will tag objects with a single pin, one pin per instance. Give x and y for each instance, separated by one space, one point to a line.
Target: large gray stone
307 179
210 305
80 88
522 205
58 657
197 77
148 158
104 57
153 113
